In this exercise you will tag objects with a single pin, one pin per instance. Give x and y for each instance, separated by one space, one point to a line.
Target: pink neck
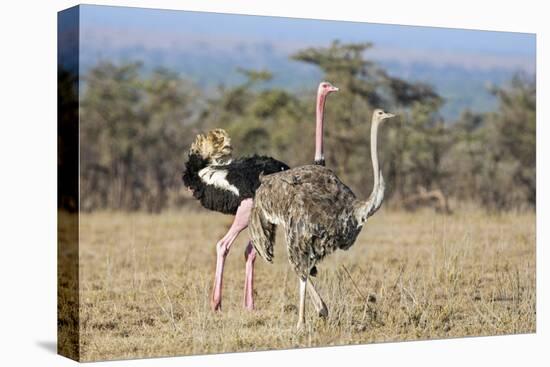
320 111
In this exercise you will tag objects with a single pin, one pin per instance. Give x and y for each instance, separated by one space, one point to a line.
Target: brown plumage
318 212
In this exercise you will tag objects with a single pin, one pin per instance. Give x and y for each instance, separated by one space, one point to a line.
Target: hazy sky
209 47
310 31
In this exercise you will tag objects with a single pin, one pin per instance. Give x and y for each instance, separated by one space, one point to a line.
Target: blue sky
310 31
208 48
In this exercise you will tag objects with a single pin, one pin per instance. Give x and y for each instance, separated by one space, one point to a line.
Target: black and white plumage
227 186
222 187
318 212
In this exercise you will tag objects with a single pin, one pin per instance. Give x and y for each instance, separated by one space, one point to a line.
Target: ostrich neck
320 111
367 208
374 155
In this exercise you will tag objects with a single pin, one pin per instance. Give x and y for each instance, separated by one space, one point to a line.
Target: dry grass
146 279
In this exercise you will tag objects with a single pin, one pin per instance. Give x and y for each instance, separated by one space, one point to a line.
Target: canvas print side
68 305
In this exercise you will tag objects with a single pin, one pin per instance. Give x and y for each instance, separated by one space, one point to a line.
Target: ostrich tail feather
262 232
215 146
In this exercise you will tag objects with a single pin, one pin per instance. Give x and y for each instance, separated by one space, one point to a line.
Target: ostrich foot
216 304
318 302
249 306
323 312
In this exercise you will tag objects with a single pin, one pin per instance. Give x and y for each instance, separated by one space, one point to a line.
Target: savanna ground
145 283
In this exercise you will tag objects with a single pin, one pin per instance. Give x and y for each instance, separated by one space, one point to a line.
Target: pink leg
250 257
222 249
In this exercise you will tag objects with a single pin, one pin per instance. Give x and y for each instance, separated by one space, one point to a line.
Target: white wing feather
218 178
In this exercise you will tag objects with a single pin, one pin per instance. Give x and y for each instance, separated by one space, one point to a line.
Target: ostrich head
379 115
214 147
326 88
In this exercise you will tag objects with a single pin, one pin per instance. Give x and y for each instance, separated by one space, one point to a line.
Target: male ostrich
318 212
228 186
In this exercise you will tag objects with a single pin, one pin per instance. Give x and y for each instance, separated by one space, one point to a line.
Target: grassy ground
146 279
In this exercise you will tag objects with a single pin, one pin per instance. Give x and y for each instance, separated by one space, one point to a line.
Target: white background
28 181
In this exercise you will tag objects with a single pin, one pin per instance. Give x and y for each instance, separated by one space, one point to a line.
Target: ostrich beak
333 89
389 115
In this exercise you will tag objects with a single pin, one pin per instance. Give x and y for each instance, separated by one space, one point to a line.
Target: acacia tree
492 159
365 86
133 128
465 158
510 158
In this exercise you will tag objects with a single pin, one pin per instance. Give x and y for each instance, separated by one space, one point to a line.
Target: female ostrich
228 186
318 212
